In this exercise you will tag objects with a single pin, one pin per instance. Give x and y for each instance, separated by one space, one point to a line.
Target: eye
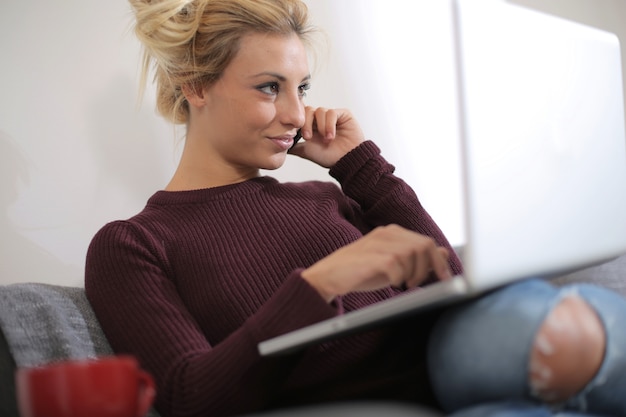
302 89
269 88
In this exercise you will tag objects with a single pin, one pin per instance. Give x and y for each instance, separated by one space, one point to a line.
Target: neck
200 168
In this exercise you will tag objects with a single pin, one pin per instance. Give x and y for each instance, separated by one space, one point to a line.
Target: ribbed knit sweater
196 280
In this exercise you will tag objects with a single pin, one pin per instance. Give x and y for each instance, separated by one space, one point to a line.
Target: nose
291 110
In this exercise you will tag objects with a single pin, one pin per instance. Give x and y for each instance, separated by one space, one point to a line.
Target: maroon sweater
196 280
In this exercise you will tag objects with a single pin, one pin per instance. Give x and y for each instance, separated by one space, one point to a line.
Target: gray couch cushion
45 323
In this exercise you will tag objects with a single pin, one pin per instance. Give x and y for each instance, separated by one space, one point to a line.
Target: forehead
270 53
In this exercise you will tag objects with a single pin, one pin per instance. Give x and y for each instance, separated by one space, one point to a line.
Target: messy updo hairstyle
190 42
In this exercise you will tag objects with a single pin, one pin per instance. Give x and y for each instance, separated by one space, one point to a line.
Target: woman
223 258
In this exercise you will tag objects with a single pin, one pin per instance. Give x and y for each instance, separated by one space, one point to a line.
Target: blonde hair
190 42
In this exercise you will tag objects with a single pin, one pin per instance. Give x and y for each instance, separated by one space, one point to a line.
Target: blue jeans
479 353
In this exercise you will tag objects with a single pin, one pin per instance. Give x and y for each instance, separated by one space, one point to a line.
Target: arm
127 282
334 139
383 198
391 256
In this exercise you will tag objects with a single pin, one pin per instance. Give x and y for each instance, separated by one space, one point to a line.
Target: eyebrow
276 75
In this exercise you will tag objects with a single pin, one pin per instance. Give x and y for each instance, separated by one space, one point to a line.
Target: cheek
259 116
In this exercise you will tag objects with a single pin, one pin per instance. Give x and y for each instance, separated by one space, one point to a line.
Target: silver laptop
544 158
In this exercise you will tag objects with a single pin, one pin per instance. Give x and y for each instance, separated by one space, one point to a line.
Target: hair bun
161 25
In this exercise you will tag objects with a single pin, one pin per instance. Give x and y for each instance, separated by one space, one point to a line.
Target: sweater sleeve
366 177
142 314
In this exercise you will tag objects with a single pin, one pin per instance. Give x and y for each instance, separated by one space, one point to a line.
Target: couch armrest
42 323
610 274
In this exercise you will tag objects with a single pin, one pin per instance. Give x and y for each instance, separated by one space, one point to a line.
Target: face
254 110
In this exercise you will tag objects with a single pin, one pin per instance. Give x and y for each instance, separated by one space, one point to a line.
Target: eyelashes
273 88
268 88
304 88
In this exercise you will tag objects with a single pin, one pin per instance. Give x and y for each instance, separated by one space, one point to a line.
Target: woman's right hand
387 256
328 135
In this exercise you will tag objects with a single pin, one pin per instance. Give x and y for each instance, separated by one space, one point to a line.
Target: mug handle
147 393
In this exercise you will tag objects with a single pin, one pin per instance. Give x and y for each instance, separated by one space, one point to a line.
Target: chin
275 162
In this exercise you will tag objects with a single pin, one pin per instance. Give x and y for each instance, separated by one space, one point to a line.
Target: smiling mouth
284 142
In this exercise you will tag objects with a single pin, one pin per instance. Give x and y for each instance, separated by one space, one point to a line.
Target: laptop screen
544 149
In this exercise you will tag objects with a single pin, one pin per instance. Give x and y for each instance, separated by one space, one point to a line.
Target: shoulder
122 239
119 230
145 228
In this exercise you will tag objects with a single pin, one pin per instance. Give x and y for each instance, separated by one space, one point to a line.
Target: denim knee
606 393
479 351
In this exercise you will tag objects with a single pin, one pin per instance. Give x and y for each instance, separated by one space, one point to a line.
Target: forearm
233 369
367 178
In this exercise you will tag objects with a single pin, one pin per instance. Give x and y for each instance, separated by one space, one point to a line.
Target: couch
41 323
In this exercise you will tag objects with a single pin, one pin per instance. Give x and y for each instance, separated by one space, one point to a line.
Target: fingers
309 119
442 265
413 257
429 258
326 123
328 135
320 121
387 256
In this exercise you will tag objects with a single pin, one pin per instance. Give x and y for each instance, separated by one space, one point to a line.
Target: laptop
543 150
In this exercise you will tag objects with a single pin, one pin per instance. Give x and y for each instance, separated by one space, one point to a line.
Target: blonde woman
223 258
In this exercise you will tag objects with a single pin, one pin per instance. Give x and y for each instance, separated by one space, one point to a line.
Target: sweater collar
223 192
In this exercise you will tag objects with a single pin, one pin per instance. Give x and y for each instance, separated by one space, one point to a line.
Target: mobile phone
296 138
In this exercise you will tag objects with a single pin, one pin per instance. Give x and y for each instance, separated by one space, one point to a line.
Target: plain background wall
77 151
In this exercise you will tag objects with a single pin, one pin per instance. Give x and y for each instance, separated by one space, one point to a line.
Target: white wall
76 151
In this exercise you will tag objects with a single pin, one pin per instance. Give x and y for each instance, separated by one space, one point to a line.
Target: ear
194 95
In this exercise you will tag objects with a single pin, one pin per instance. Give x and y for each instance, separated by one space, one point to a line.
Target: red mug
112 386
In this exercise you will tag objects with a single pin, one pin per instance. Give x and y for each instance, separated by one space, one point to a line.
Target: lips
283 142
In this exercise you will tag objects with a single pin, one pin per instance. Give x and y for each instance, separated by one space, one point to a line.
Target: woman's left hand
328 135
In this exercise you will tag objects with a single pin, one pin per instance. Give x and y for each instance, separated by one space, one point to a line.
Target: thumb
299 149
